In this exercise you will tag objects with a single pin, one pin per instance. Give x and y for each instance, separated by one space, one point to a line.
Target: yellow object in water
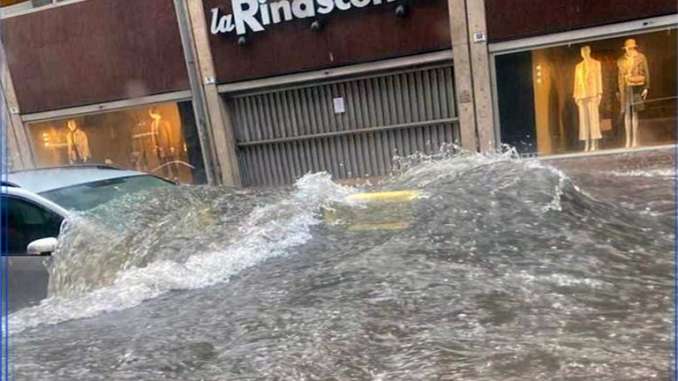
395 196
372 214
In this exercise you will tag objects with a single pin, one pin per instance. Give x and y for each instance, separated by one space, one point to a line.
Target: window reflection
159 139
606 94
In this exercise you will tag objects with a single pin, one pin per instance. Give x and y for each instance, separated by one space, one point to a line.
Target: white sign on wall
339 105
256 15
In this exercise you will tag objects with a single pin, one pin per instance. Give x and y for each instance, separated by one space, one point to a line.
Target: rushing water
502 270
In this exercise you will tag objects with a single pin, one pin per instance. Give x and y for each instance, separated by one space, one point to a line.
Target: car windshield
90 195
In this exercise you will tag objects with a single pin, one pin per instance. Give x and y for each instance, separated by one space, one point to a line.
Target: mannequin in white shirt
588 92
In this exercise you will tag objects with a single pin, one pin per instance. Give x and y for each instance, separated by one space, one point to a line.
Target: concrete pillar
472 74
216 117
482 83
19 152
462 74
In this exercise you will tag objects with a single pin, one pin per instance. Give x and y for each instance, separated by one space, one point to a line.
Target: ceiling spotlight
316 25
242 41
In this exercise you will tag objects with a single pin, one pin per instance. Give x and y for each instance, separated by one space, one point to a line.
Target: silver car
35 203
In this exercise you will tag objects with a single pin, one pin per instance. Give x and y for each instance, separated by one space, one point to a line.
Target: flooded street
339 190
499 269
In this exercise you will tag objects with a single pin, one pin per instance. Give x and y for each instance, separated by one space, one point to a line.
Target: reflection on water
509 270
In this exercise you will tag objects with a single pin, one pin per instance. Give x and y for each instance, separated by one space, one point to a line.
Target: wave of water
102 266
507 269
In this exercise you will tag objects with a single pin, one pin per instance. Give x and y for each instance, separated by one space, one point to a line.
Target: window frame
8 196
52 4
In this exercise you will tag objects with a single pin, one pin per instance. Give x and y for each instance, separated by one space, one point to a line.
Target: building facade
256 93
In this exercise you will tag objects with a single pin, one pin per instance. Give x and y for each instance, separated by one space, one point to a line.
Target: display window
160 139
11 7
584 97
7 3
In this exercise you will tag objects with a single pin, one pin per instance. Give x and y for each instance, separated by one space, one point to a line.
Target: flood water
500 269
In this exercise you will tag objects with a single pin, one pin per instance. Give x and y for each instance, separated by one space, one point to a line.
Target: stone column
463 74
19 152
482 83
217 120
472 74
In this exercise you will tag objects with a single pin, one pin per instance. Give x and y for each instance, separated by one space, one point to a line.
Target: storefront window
605 94
7 3
10 7
159 139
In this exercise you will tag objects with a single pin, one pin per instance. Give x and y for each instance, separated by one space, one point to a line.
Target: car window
90 195
24 222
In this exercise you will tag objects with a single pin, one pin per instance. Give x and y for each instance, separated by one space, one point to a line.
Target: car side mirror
44 246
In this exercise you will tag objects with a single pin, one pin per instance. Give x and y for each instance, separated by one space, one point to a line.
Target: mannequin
78 144
634 85
162 140
588 91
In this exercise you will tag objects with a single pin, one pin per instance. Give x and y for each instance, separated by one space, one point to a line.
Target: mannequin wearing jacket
162 141
634 85
78 144
588 91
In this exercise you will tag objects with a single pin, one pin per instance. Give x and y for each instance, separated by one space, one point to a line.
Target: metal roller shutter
284 133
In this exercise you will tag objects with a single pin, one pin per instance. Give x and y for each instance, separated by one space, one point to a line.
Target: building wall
93 52
346 37
513 19
100 51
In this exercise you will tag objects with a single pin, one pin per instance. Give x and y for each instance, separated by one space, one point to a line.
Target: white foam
644 173
561 280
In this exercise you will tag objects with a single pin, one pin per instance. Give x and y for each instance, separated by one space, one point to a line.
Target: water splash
509 269
267 231
645 173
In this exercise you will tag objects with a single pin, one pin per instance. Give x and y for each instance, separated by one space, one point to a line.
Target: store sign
256 15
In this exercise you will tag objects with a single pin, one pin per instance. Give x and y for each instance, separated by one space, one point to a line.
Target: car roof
47 179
